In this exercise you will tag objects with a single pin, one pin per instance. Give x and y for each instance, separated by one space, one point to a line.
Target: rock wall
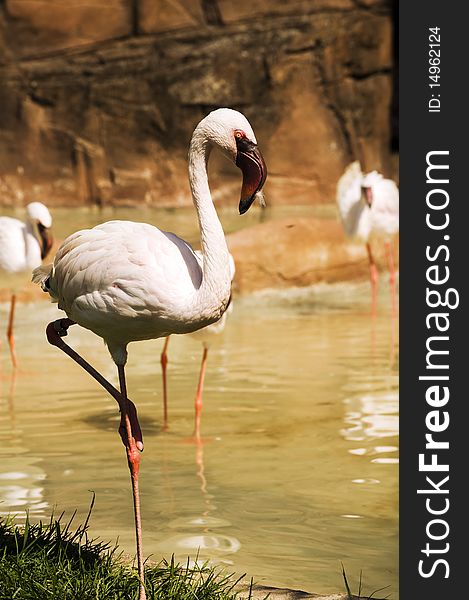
299 252
98 99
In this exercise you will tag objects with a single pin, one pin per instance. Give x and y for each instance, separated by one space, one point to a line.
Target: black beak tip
244 205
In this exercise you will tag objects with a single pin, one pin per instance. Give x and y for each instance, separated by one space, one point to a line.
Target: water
299 466
182 220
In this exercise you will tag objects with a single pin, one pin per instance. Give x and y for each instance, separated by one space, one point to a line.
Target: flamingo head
368 181
39 215
233 134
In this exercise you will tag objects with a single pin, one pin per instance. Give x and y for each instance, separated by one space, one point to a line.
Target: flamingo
204 335
23 245
128 281
369 208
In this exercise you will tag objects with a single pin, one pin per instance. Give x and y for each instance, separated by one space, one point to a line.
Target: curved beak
46 240
251 162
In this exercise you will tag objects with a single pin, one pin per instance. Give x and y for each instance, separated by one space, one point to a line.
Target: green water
298 471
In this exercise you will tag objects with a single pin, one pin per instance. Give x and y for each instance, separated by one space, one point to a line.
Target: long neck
216 281
32 246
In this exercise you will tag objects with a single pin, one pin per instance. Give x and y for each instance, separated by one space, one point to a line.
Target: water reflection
301 409
22 492
7 400
206 544
372 416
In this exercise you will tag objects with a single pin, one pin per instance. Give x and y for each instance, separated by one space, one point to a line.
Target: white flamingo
129 281
23 245
205 335
369 208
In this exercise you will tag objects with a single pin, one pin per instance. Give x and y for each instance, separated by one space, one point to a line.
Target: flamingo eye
239 134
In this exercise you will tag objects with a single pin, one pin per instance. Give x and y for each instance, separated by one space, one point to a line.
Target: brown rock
310 161
313 77
251 9
295 252
164 15
51 24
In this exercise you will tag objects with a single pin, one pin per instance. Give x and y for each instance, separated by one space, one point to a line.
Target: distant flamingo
204 335
369 208
23 245
129 281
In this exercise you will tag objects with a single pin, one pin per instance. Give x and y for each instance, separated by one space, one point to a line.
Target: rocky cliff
98 99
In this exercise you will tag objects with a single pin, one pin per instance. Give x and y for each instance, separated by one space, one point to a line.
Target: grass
350 596
51 561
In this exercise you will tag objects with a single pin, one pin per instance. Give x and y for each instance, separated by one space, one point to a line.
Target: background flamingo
369 208
23 245
204 335
129 281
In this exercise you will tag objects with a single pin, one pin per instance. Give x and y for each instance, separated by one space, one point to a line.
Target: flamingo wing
123 278
351 208
385 207
12 245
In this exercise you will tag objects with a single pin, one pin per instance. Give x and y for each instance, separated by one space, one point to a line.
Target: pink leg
198 396
129 428
164 363
133 461
392 278
373 279
10 336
